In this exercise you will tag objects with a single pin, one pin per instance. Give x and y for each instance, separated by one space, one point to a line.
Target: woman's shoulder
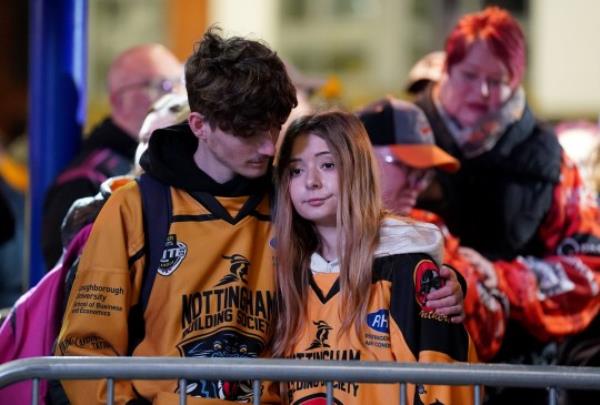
404 246
400 236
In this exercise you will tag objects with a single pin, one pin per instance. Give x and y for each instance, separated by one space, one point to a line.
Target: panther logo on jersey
238 269
227 343
322 335
173 254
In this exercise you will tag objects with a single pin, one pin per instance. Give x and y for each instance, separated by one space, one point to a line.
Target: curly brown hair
239 85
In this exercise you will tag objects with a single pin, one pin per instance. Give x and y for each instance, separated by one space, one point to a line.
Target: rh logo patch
379 321
173 254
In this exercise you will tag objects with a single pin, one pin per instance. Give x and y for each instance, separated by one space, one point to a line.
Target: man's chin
255 172
399 206
403 211
398 210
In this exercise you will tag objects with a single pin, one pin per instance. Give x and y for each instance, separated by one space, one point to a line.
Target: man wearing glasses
136 78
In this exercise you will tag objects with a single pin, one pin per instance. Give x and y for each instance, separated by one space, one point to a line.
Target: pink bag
34 321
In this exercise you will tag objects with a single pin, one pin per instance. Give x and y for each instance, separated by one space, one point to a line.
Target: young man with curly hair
213 293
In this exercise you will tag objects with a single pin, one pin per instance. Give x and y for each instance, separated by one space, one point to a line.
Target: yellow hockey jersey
213 295
398 327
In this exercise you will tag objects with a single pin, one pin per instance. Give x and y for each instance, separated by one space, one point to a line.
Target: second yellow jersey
398 328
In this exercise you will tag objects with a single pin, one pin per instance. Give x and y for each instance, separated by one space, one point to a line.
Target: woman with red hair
517 199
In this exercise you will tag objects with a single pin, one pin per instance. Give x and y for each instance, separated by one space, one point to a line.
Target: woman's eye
295 171
494 82
328 165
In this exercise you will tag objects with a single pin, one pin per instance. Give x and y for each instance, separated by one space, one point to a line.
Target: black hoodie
170 159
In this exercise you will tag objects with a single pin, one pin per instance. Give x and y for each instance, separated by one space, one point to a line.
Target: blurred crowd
516 198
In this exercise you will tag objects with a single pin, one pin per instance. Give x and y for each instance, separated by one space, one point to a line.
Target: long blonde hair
359 216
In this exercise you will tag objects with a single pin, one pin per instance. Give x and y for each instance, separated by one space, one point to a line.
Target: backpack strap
157 215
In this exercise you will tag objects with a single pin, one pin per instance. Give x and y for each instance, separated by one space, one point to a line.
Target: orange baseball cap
403 127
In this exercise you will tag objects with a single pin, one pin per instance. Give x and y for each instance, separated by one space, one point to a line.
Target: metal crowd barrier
184 369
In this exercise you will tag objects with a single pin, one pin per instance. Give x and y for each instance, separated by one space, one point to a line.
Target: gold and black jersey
213 295
398 327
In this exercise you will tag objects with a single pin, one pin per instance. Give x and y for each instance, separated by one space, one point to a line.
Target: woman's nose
485 88
313 179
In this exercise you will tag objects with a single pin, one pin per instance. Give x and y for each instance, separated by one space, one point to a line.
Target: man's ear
116 103
198 125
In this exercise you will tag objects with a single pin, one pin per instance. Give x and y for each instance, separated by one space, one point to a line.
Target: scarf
482 137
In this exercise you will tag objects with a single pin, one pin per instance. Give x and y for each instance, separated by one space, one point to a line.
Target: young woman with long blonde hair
353 282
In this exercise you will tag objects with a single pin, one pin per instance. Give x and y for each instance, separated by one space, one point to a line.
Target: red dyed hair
499 30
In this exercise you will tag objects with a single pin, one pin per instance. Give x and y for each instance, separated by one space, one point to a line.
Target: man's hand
449 299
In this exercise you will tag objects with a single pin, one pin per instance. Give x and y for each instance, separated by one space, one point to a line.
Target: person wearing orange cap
407 155
518 199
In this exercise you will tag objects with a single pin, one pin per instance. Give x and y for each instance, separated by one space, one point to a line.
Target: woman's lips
317 202
479 107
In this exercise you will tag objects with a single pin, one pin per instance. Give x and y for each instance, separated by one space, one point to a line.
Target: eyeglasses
156 87
415 177
486 84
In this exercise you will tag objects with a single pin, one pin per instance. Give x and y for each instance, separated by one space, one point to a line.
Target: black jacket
496 202
170 159
7 220
82 178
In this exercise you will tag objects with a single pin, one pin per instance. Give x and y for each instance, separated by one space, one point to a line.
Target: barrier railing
184 369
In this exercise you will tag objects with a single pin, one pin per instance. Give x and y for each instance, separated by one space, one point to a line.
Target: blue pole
57 97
